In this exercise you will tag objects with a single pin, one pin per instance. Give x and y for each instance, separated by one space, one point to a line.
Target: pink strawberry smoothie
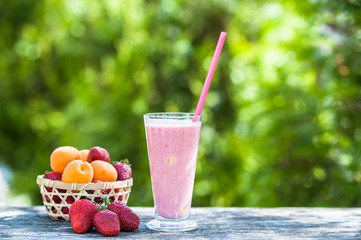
172 151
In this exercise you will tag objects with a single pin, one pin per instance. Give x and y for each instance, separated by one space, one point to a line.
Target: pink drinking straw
210 73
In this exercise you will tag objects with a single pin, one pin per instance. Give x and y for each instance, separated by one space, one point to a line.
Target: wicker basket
58 196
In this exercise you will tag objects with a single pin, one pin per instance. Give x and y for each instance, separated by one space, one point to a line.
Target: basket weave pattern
58 196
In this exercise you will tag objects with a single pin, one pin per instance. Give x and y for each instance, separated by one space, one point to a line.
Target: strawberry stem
124 161
106 201
102 207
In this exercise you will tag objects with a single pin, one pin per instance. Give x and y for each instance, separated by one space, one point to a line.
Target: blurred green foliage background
282 124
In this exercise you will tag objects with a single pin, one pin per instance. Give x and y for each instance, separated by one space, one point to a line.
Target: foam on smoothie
171 122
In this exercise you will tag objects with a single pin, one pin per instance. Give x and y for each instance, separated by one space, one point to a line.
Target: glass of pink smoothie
172 140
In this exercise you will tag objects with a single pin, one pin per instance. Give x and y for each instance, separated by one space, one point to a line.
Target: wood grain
214 223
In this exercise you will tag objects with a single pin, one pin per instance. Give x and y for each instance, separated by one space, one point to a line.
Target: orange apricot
104 171
84 154
78 171
61 156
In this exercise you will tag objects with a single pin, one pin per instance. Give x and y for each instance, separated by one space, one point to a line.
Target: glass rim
171 115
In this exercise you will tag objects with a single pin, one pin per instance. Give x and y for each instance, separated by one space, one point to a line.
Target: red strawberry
98 153
98 200
69 199
65 210
104 191
53 176
47 199
129 221
61 190
124 171
81 213
106 223
53 210
56 199
90 191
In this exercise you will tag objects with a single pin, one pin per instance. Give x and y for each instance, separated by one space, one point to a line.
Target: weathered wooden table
214 223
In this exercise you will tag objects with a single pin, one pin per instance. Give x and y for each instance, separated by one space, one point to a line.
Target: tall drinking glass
172 140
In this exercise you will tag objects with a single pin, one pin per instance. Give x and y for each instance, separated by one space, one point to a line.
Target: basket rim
40 180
